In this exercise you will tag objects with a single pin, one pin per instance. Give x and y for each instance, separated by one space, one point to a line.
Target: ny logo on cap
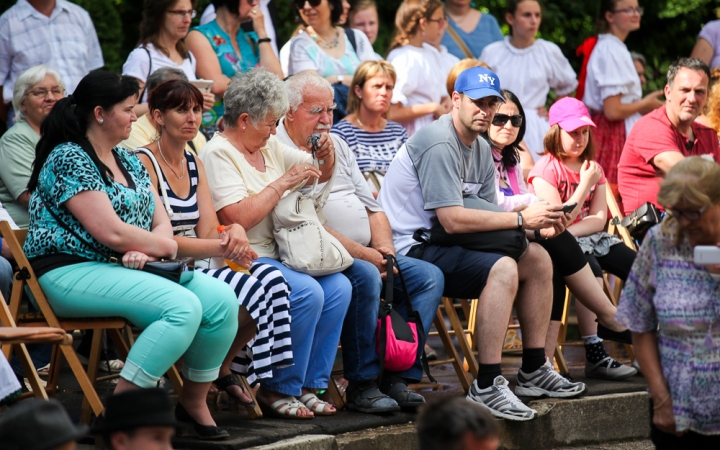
484 78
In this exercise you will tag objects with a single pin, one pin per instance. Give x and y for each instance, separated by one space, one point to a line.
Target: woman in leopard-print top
92 199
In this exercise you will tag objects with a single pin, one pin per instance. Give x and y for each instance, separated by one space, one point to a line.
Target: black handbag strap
111 259
148 75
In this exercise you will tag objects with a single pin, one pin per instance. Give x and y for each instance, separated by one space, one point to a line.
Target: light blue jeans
317 309
198 319
6 278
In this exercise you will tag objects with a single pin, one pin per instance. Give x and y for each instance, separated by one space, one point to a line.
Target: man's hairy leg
494 308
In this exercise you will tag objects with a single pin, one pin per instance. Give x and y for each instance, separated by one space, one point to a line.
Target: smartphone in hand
569 207
706 254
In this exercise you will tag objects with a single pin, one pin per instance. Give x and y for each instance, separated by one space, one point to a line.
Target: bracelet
278 192
659 405
260 41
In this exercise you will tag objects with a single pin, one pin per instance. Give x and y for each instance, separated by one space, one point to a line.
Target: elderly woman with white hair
248 171
35 93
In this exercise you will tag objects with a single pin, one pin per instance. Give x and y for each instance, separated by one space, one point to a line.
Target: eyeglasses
300 4
42 92
501 119
692 216
441 21
181 13
630 11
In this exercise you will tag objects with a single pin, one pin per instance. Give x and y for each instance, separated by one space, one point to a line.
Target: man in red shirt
662 138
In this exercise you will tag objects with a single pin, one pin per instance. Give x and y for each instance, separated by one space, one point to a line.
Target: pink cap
570 113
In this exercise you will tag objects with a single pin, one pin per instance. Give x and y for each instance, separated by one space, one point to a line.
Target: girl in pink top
568 174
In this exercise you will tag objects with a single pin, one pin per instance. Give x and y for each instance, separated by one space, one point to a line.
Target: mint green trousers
198 319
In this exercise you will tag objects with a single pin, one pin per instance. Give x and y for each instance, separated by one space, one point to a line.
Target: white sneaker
546 382
500 401
115 366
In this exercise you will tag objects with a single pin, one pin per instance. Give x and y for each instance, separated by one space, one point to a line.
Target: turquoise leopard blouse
69 171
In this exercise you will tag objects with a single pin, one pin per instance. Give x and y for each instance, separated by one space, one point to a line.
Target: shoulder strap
149 73
459 41
351 37
161 178
112 259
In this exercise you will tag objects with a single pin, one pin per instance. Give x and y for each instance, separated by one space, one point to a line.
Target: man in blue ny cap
441 188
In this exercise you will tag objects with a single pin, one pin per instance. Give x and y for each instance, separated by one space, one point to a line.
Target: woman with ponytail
609 84
419 96
95 220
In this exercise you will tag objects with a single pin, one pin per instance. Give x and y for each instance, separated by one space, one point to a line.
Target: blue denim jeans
6 278
425 284
317 309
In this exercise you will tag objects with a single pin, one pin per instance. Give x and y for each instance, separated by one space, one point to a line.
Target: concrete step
614 421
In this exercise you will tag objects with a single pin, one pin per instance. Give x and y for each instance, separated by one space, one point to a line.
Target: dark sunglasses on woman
300 4
501 119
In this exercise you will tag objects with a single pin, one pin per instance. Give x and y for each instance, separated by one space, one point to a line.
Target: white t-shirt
304 54
4 216
420 79
138 64
530 73
610 71
232 178
350 196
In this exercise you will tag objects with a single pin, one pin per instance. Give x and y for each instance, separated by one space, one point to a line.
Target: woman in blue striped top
372 137
263 338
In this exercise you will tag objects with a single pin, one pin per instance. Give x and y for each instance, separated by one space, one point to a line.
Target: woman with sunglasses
551 70
570 266
419 96
163 28
224 49
609 84
670 304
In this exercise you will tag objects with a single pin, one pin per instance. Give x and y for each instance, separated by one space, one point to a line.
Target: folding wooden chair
612 293
114 326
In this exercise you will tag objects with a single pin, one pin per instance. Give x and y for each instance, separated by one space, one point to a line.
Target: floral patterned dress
666 291
230 64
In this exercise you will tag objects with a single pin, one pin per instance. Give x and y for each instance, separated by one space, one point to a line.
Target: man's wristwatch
340 79
520 221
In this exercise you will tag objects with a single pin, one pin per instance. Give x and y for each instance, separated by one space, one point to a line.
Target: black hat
136 408
37 425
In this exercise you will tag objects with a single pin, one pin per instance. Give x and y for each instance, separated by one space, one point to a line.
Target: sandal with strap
285 408
231 380
317 406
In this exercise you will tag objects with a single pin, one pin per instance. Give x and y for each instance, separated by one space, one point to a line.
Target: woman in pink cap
567 173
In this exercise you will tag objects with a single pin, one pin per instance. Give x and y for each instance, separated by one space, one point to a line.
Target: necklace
182 162
323 43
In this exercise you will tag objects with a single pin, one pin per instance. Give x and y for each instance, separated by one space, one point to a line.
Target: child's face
574 142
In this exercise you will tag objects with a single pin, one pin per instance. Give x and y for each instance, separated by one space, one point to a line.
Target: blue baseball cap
479 82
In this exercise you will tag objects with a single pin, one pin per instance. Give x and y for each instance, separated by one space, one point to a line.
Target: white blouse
530 73
610 71
421 79
304 54
138 64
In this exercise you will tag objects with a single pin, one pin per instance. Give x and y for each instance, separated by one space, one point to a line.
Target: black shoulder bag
639 221
177 270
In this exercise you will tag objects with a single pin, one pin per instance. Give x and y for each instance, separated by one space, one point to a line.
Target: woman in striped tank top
263 338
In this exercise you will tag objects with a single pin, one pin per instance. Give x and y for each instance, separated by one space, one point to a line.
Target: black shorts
466 271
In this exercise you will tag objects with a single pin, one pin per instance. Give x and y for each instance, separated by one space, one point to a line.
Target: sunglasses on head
501 119
313 3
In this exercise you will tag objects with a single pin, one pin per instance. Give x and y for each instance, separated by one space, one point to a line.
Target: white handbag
303 242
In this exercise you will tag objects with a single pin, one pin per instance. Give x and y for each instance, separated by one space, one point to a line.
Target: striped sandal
317 406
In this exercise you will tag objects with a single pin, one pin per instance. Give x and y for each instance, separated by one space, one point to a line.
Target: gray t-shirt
433 170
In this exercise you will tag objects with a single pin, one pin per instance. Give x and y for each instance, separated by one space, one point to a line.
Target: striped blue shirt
373 151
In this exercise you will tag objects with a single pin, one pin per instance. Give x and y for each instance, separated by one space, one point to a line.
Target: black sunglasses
300 4
501 119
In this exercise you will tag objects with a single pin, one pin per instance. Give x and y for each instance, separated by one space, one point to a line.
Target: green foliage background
669 27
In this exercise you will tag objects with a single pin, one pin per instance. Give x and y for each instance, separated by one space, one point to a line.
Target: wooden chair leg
82 377
335 394
562 366
175 379
54 374
460 334
95 350
450 348
30 371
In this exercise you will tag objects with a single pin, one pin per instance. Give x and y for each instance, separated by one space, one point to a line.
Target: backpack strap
148 75
351 37
384 311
